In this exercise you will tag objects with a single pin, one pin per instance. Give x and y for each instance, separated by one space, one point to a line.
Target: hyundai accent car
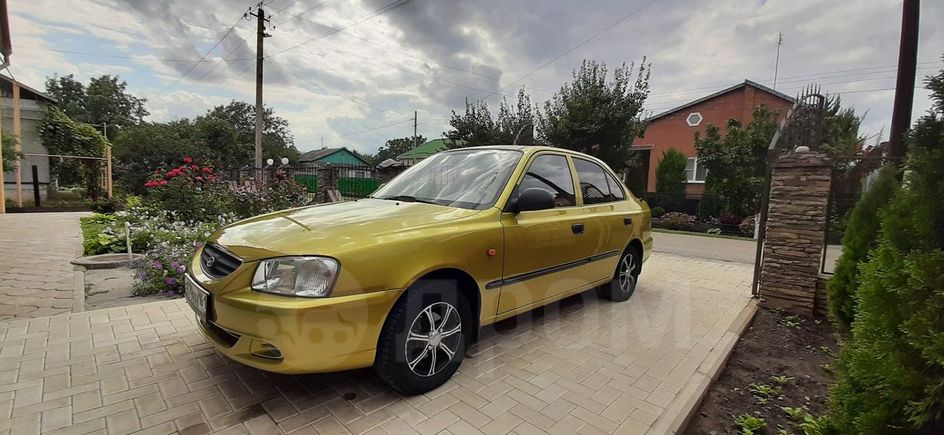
403 280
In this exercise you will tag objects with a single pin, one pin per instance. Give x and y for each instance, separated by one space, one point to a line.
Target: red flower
207 170
198 178
188 160
195 167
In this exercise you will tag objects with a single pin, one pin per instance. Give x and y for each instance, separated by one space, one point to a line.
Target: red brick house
676 128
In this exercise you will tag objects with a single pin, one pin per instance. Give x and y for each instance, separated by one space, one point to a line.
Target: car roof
527 150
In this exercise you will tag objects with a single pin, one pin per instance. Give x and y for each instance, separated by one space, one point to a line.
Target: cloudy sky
353 72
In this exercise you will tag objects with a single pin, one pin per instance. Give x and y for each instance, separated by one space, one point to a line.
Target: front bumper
311 335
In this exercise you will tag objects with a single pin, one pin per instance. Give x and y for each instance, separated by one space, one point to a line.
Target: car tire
625 277
429 322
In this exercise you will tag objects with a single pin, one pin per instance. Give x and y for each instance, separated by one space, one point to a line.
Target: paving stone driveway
579 366
36 279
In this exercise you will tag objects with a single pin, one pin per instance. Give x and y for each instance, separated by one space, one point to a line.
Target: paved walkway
716 248
36 278
580 366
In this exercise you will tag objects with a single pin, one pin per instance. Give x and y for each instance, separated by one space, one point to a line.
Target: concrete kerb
681 410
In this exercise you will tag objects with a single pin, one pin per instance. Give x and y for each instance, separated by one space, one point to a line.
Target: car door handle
577 228
628 220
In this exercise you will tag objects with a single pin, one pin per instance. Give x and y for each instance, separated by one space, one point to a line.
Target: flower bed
184 206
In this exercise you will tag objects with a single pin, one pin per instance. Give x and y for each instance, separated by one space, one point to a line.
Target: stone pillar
796 228
327 180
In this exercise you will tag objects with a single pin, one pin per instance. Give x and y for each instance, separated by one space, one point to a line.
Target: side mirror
534 199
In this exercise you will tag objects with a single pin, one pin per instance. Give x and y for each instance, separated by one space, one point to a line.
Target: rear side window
593 182
551 173
616 188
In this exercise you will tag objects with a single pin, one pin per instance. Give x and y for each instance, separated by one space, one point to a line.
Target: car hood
330 228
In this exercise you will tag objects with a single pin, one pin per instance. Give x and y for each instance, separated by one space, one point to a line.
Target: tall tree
229 130
516 123
596 116
736 161
477 126
394 147
105 100
473 128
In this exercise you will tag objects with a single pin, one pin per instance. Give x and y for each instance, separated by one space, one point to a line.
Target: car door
608 223
540 255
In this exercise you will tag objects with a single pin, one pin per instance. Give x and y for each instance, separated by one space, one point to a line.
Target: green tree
473 128
230 131
61 135
670 179
516 123
477 127
105 100
736 160
891 371
394 147
10 154
858 239
595 116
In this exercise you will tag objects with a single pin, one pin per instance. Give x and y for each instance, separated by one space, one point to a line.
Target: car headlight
311 277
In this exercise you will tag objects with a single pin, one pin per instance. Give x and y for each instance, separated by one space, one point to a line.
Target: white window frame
694 124
690 175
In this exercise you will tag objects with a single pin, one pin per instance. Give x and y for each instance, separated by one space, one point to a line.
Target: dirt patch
778 352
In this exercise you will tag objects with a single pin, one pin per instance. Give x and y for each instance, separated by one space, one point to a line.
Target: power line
218 42
316 6
570 50
402 52
114 56
391 6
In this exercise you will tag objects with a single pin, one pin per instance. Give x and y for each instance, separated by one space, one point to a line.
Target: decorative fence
350 182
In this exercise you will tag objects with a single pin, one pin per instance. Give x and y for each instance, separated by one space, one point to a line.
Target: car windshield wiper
408 198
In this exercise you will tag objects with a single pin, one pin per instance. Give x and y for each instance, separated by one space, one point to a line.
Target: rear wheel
424 338
624 279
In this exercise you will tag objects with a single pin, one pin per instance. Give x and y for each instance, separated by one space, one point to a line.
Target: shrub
657 212
858 239
747 226
278 193
106 205
891 371
677 221
670 178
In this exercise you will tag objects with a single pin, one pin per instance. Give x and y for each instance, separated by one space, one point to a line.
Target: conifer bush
859 238
891 371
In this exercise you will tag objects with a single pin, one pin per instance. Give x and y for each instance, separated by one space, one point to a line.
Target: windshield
470 179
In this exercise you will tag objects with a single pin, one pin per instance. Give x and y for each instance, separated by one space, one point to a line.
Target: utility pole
777 62
905 84
414 130
261 21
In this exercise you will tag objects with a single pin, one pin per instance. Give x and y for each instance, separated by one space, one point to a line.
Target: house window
695 173
693 119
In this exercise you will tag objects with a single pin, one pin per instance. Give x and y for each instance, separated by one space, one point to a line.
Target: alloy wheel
627 273
434 338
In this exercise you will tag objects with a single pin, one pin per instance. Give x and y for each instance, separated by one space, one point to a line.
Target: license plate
196 297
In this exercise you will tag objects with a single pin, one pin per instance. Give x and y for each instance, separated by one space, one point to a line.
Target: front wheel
624 279
423 340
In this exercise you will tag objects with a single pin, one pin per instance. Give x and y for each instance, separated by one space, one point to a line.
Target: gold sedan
403 280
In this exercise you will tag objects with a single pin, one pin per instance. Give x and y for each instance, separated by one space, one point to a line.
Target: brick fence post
796 228
327 180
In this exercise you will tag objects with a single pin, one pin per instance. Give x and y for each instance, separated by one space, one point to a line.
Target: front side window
551 173
593 183
695 173
471 178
